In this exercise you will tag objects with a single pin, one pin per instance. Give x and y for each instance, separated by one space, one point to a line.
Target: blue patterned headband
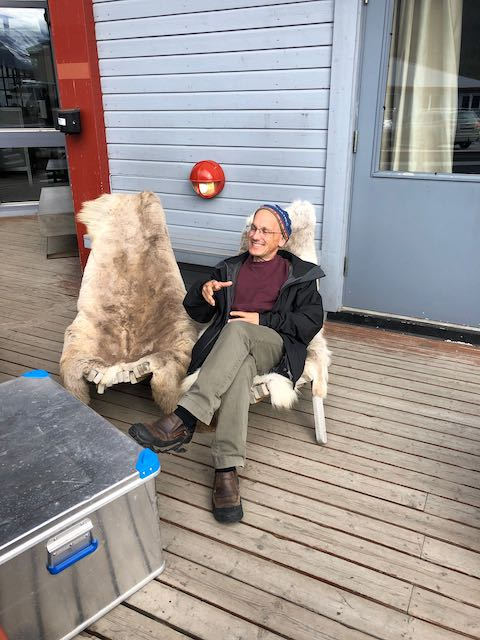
282 217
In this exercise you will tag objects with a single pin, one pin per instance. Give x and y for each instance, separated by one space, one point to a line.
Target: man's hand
247 316
210 287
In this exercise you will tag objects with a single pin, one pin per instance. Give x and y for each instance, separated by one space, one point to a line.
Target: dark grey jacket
297 314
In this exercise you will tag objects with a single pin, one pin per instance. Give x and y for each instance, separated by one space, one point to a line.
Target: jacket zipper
230 274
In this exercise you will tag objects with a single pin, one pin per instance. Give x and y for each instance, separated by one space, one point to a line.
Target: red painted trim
76 57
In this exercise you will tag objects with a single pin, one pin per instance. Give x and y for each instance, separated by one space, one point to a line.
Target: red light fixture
207 178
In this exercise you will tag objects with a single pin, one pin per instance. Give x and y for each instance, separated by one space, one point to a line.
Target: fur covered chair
131 321
283 394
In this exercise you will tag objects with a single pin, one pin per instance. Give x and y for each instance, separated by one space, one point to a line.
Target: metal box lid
55 454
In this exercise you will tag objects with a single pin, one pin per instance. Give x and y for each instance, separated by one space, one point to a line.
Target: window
431 120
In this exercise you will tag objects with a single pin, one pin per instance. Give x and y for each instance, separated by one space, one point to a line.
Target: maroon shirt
258 284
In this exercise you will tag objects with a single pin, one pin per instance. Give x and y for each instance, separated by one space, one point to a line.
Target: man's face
262 245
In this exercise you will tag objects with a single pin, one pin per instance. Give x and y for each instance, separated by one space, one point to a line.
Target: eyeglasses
262 231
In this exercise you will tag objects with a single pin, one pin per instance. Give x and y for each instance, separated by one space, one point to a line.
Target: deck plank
446 612
304 503
326 493
343 399
250 603
453 510
402 371
375 535
260 534
279 513
464 401
448 555
354 610
383 447
399 354
124 623
459 450
446 351
437 406
194 615
381 476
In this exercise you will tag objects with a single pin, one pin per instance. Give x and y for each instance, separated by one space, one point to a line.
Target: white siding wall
242 82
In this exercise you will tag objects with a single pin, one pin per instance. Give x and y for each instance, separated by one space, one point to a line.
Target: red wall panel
76 57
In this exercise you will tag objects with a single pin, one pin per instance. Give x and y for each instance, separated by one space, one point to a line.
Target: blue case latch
147 463
36 373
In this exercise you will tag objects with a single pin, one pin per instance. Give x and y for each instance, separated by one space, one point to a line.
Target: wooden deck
375 535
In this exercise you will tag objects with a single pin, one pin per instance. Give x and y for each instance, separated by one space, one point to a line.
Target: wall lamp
207 178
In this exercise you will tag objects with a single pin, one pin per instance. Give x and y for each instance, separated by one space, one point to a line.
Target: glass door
32 152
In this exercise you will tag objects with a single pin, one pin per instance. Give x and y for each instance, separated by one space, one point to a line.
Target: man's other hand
246 316
210 287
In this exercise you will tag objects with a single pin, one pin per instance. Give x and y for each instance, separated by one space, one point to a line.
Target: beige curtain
422 88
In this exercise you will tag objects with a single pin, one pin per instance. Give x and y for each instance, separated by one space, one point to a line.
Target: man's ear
282 242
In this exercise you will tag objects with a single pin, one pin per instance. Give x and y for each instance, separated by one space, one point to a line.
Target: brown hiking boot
227 505
165 434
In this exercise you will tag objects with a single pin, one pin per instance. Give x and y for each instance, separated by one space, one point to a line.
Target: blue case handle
75 557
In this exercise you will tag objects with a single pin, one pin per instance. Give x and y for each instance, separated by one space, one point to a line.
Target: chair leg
319 417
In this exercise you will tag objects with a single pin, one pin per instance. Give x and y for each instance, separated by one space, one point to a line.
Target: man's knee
235 331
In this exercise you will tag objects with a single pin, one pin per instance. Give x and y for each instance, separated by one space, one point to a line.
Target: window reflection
431 118
24 171
27 84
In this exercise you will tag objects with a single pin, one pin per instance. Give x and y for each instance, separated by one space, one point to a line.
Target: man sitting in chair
264 309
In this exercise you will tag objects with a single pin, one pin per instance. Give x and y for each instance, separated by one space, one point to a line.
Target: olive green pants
241 351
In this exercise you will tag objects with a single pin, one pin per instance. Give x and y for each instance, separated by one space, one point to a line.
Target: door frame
31 136
342 117
78 80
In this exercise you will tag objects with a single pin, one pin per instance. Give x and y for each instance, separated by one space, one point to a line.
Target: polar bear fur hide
131 319
283 394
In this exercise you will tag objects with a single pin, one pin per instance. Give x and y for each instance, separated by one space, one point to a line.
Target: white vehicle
468 128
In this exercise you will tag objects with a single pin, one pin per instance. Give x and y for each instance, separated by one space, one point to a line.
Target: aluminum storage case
79 528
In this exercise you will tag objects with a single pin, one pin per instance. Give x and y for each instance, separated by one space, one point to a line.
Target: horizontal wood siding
242 82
